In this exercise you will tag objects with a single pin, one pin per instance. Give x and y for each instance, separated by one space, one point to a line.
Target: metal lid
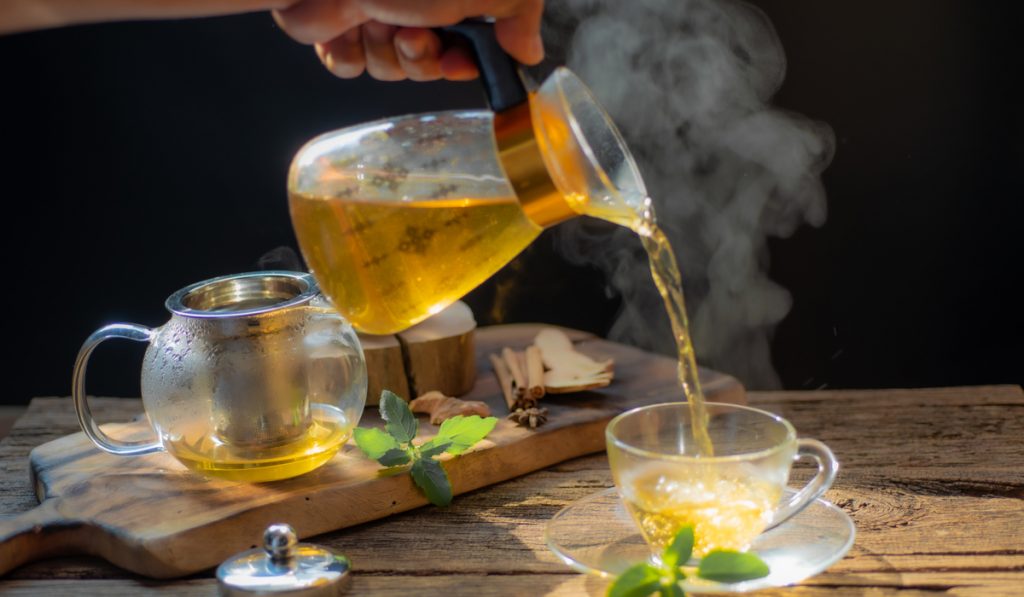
285 567
243 295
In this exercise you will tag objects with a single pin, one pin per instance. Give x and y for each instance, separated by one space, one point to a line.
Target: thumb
519 33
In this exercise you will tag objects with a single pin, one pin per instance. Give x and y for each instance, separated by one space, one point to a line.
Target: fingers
318 21
517 22
379 47
344 55
419 53
519 33
386 38
458 65
392 54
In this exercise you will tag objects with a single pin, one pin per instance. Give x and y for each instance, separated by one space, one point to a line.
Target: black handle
500 74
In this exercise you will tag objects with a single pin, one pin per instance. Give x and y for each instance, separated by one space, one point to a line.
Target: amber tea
387 265
725 512
203 451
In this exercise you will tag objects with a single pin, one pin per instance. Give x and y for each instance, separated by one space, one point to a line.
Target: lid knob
279 541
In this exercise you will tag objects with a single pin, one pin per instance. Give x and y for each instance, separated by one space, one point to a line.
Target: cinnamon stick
518 374
504 376
534 373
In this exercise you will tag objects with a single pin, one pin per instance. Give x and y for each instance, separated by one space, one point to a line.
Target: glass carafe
399 218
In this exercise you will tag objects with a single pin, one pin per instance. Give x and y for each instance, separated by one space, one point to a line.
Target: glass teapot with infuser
398 218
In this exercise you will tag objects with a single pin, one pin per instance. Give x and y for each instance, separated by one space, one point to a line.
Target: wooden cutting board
152 516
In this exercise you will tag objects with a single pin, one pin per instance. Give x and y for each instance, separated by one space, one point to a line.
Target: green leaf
731 566
394 457
679 551
637 581
431 478
465 432
672 590
374 442
434 447
400 422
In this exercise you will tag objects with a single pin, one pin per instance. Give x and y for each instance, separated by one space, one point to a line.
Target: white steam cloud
689 83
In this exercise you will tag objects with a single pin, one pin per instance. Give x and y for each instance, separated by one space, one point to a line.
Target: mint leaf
637 581
434 447
465 432
400 422
374 442
431 478
680 550
731 566
394 457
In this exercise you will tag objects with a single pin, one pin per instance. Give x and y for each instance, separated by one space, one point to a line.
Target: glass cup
729 498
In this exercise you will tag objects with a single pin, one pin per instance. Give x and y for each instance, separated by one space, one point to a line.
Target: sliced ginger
568 369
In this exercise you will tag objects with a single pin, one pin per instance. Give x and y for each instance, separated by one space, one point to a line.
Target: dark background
141 157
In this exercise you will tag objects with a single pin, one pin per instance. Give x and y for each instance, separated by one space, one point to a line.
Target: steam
280 258
688 83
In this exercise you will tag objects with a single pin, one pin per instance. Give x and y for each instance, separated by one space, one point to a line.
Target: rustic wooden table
933 479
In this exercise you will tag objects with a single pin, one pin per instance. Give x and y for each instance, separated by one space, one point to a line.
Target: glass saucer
595 535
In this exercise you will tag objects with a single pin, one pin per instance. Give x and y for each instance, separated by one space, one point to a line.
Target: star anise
532 417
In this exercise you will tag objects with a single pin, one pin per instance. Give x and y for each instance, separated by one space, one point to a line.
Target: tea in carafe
390 264
399 219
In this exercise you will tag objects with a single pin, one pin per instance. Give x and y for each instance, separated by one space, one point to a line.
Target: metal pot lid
285 567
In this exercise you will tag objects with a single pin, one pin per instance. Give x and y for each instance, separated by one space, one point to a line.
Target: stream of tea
665 272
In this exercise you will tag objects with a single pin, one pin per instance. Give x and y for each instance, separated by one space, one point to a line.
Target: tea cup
729 497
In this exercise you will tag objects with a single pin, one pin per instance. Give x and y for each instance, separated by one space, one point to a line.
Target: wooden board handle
39 533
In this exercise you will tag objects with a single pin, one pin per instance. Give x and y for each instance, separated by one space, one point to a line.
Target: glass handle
828 466
128 331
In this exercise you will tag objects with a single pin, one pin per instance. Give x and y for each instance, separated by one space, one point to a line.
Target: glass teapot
400 217
254 378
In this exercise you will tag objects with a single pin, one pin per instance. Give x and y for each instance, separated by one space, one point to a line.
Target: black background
141 157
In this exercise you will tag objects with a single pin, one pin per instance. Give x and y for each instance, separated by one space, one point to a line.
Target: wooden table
933 478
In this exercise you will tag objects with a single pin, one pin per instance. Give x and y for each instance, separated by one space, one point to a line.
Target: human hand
391 39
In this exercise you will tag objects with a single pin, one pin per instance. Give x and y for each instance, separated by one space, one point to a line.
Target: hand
388 38
391 39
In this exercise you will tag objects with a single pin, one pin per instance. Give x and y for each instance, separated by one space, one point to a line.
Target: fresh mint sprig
719 565
393 446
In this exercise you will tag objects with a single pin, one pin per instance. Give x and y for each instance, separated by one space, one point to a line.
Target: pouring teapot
400 217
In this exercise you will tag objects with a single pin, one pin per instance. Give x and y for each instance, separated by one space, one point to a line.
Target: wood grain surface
931 477
147 513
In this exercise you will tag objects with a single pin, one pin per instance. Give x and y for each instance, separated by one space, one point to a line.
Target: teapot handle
500 74
92 430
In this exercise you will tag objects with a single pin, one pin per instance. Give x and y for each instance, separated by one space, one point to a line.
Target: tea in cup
729 498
